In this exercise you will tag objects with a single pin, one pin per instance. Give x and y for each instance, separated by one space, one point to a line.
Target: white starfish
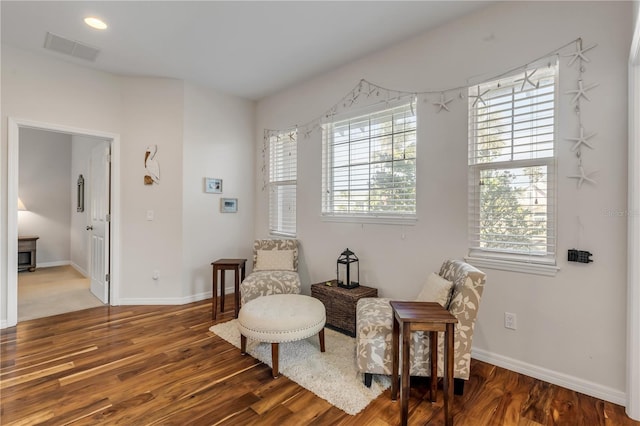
582 177
442 103
581 91
479 97
581 140
527 79
579 53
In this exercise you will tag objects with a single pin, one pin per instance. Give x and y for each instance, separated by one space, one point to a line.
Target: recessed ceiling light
96 23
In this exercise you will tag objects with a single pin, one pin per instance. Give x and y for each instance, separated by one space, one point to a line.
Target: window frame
274 184
328 211
504 259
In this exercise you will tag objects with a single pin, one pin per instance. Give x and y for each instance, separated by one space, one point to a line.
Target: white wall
46 90
218 143
152 114
81 147
570 327
45 167
144 111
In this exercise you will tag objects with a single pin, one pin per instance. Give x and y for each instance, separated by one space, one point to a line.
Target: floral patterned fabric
374 327
264 283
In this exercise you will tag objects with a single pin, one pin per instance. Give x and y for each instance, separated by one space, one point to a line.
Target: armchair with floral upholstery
374 322
275 266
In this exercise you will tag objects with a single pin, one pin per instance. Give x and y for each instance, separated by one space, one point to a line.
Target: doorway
112 265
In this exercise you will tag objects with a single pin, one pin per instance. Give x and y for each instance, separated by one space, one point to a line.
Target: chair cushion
274 260
281 318
436 289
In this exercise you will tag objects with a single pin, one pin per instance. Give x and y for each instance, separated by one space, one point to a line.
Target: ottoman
281 318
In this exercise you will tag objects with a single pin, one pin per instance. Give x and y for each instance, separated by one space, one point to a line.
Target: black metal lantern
348 270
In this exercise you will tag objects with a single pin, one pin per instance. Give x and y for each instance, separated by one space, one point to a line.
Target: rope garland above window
443 98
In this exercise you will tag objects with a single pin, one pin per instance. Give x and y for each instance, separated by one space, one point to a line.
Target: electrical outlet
510 321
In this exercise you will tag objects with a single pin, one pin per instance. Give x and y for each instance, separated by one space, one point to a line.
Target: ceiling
246 48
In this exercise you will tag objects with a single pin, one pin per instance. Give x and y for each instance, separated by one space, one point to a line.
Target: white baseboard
51 264
570 382
79 269
3 324
166 301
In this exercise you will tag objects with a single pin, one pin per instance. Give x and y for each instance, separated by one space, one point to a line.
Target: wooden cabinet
27 253
340 304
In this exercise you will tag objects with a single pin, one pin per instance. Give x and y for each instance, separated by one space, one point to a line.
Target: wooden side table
422 316
236 265
27 253
340 304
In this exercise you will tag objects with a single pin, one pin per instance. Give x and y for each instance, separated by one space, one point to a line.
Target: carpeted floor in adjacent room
52 291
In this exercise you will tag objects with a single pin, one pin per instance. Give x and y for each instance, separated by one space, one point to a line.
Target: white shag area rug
331 375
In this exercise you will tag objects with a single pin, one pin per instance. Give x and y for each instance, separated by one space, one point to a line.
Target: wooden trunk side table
422 316
236 265
340 304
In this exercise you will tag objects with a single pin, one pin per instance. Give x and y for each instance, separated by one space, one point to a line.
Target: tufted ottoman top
281 318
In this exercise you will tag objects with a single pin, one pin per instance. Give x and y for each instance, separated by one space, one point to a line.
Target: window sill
379 220
513 266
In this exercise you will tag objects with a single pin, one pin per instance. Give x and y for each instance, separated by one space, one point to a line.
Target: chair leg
458 387
367 379
274 360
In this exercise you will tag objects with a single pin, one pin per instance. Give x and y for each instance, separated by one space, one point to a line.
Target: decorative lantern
348 270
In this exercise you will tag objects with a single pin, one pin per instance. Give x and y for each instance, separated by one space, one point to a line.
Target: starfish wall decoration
479 97
581 91
581 140
442 103
527 79
579 53
583 177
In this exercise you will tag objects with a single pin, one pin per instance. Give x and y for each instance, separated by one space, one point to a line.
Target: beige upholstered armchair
275 266
374 324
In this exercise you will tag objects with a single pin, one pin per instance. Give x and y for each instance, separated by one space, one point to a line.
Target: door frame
13 141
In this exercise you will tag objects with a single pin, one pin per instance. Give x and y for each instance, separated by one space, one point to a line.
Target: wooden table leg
395 345
433 348
448 376
222 277
236 296
405 377
214 304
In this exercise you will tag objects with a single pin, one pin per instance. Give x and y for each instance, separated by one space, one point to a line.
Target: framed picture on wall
228 205
213 185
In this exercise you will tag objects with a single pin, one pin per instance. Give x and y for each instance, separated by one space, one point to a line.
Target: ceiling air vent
70 47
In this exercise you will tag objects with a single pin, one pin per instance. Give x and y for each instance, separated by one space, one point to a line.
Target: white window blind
512 167
369 164
282 182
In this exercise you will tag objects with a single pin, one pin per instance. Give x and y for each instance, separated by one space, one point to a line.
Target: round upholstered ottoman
281 318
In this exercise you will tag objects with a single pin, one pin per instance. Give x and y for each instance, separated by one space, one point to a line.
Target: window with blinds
369 165
512 167
282 182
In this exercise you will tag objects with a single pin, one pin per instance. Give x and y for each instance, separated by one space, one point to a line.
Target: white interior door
99 215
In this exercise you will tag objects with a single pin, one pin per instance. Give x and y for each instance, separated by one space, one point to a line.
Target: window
282 182
369 165
512 168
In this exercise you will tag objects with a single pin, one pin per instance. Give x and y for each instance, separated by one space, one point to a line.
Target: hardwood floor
144 365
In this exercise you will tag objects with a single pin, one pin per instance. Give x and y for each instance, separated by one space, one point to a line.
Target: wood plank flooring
159 365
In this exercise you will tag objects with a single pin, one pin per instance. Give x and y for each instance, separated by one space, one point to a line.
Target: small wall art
229 205
213 185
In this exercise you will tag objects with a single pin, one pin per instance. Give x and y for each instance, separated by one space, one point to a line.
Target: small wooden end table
422 316
236 265
27 253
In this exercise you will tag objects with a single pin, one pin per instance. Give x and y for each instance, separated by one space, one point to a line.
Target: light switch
149 214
